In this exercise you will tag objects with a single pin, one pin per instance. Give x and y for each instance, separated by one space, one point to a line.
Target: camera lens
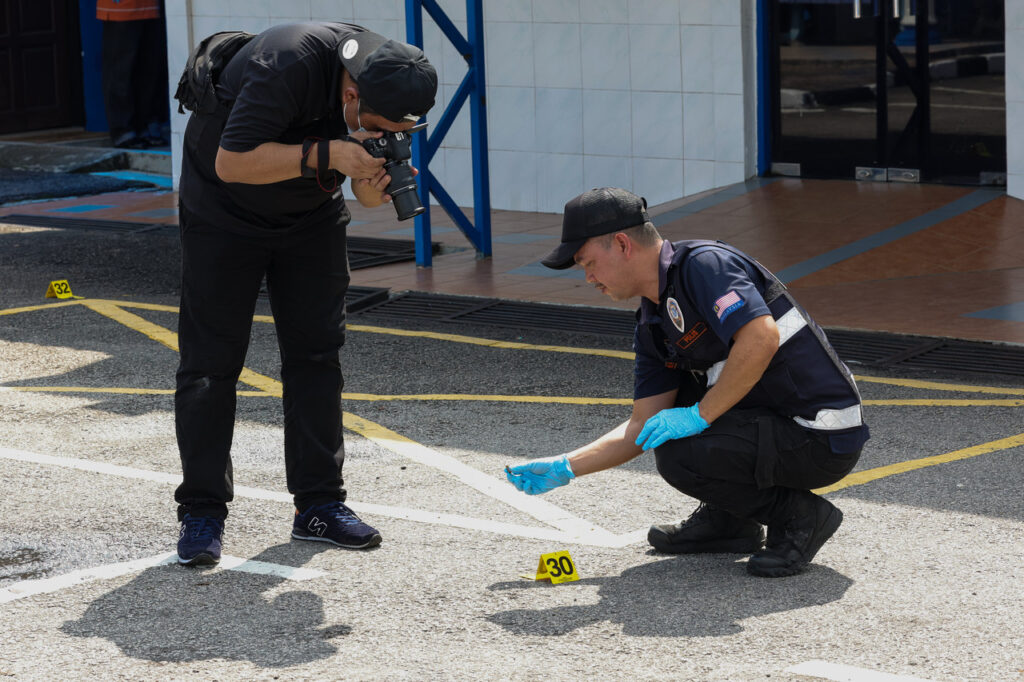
402 189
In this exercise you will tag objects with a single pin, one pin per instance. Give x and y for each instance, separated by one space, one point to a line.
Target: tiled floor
915 259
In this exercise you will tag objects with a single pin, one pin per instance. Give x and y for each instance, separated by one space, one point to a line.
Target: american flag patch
727 304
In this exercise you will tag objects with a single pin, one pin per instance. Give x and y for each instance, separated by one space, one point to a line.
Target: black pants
750 463
307 277
134 75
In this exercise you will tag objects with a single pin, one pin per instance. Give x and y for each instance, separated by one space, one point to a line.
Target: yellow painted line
115 390
132 321
44 306
544 399
369 397
938 386
110 305
924 402
170 339
145 306
473 397
492 343
869 475
89 389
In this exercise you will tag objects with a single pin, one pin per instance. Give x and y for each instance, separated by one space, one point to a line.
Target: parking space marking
566 525
847 673
939 386
487 397
868 475
604 539
28 588
494 487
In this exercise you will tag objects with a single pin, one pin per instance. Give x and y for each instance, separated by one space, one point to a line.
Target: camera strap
323 162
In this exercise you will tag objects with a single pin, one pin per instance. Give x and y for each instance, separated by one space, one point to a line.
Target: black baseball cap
591 214
394 78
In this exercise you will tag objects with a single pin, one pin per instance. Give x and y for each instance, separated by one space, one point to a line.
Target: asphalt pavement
923 580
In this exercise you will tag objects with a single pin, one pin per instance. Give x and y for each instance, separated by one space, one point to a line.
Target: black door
40 65
905 90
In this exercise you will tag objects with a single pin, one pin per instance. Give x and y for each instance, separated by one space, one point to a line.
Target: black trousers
307 277
134 75
751 463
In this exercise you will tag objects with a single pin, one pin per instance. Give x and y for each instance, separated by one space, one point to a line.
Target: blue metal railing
472 89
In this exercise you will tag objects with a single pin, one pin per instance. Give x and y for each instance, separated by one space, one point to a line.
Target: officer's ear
623 243
349 94
349 89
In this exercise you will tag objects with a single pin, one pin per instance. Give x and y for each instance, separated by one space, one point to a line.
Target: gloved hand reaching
540 475
676 422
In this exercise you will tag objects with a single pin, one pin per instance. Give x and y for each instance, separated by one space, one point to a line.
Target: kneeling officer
736 389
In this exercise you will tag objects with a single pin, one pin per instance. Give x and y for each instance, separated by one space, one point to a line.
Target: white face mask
344 114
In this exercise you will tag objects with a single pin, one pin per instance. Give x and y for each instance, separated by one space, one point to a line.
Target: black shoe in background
708 530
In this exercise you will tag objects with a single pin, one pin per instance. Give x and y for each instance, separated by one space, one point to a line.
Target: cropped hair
645 234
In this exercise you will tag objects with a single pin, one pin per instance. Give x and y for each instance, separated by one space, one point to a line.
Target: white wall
1015 98
656 96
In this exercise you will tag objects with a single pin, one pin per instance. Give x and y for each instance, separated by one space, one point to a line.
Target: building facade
670 98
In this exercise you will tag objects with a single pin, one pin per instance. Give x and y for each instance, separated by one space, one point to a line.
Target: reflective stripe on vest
827 419
789 324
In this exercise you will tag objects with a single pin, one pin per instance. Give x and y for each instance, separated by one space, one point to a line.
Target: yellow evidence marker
59 288
558 567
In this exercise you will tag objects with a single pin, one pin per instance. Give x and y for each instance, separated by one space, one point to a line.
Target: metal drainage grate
498 313
367 252
83 223
868 349
360 298
356 298
363 252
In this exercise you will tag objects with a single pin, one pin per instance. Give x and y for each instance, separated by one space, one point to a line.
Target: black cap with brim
600 211
564 255
394 78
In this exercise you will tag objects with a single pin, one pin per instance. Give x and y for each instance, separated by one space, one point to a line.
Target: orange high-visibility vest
127 10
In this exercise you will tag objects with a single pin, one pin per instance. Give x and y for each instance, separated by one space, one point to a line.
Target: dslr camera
397 148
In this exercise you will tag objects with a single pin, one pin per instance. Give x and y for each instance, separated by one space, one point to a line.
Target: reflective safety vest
127 10
805 379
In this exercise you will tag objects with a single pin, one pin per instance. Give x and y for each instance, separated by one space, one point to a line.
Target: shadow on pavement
175 614
676 597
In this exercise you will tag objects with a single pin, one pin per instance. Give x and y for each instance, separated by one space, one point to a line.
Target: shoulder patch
728 304
675 313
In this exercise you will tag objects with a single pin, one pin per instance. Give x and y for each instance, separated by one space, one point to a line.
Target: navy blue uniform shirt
707 293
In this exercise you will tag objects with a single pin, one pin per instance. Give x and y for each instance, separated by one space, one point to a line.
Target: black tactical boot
792 543
707 531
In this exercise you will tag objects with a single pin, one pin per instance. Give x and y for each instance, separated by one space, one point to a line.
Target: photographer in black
260 195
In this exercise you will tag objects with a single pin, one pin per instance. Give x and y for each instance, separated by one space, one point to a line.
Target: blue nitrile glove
540 475
676 422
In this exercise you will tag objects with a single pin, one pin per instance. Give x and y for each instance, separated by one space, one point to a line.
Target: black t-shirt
285 85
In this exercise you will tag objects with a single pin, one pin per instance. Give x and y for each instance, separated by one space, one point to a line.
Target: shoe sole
199 560
827 530
372 542
736 546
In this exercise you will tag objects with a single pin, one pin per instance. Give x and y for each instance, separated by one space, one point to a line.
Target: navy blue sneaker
335 523
199 540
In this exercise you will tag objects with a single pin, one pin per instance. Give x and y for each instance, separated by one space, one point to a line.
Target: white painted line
597 539
234 563
498 489
847 673
28 588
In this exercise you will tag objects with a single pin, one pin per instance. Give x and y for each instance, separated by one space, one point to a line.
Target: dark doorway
890 90
40 65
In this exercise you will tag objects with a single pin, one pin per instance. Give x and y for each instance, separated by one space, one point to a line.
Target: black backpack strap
197 87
